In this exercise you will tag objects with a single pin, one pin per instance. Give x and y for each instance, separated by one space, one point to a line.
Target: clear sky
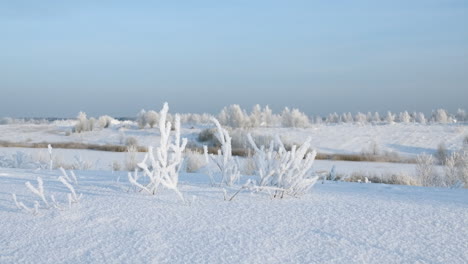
111 57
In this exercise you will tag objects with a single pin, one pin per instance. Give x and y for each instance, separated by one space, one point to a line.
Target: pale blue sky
111 57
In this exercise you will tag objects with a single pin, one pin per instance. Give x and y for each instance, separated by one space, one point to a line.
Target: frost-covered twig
226 163
165 162
72 197
21 205
39 191
289 172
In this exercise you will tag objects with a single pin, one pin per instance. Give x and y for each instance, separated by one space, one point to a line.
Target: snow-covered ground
402 139
333 223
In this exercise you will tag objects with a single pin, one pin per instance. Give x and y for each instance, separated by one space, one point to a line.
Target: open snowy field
106 217
334 223
402 139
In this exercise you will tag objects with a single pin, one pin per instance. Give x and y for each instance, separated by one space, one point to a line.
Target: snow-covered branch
226 163
164 161
284 172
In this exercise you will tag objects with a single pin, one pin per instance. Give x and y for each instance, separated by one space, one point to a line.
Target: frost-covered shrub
81 164
208 136
130 158
461 115
131 142
195 118
6 120
115 166
390 118
346 118
294 118
18 160
151 118
162 165
420 118
442 153
105 121
226 163
456 169
425 171
440 116
234 116
194 161
332 118
284 172
404 117
84 124
141 120
360 118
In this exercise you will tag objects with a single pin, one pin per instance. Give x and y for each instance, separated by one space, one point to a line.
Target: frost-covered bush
294 118
456 169
333 118
19 160
162 165
284 172
226 163
360 118
130 158
84 124
131 142
346 118
194 161
461 115
404 117
234 116
207 136
425 171
151 118
390 118
442 153
6 120
141 120
420 118
195 118
105 121
440 116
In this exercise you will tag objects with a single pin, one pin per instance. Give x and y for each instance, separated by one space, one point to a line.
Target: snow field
333 223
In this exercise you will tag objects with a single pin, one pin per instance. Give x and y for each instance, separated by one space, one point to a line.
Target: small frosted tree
267 116
256 116
390 118
440 116
405 117
420 118
162 165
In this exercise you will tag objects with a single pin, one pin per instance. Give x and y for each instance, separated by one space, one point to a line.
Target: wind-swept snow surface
333 223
